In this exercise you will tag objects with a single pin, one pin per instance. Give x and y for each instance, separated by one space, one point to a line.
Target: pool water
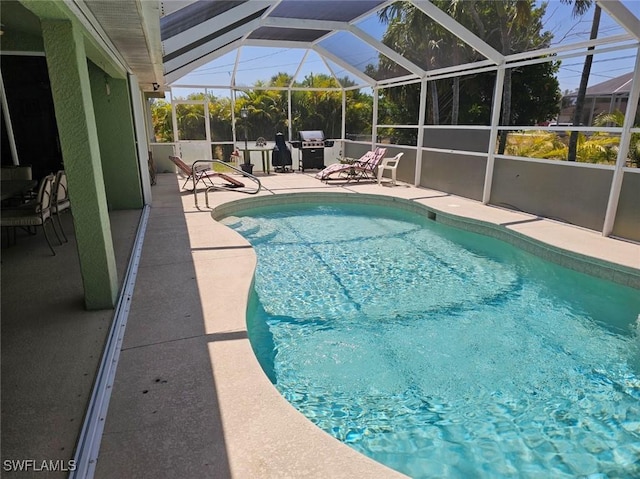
442 353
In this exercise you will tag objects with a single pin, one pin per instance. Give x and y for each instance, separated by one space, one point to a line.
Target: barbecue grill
311 149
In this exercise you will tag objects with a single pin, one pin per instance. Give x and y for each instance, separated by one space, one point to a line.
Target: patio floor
189 399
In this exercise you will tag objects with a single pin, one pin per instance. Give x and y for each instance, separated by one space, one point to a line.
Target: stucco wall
117 140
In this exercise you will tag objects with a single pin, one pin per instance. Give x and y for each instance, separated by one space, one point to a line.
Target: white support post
495 121
422 111
289 116
234 133
374 120
344 120
625 139
140 131
207 127
7 117
174 124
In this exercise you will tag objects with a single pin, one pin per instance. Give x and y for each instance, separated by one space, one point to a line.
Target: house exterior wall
117 140
71 90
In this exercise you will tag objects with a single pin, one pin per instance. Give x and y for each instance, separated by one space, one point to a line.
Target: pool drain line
88 446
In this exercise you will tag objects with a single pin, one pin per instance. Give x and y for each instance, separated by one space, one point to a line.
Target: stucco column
69 77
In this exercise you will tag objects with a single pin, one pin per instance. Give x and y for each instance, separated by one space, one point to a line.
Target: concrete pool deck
190 399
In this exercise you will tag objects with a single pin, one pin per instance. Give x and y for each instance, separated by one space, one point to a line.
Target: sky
259 64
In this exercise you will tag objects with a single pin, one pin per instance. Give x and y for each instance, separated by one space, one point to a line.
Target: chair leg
61 228
46 236
55 230
393 177
185 183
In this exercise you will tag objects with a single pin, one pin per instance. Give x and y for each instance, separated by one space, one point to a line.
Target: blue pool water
442 353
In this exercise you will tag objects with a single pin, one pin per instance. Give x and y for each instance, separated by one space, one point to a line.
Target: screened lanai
109 81
476 94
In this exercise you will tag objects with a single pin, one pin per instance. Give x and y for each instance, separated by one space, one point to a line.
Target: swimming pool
443 353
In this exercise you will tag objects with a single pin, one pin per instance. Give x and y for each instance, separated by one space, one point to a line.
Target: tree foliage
319 109
598 147
508 26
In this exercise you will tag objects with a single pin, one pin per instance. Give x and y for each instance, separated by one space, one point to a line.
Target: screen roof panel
354 36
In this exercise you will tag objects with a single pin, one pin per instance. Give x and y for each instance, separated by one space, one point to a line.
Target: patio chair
35 213
362 168
390 164
60 200
204 174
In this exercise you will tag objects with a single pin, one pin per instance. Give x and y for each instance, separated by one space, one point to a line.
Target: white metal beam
9 126
387 51
546 52
420 143
347 66
249 42
235 67
374 119
493 136
182 70
458 30
333 74
193 55
303 24
234 15
142 140
625 139
289 115
343 123
295 75
621 14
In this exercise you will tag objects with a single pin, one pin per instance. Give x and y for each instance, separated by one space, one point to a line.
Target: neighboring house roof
618 85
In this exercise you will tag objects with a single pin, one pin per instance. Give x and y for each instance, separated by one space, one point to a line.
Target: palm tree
162 121
580 7
616 118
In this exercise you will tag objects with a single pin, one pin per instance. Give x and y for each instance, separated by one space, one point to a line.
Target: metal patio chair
60 200
202 173
364 167
34 213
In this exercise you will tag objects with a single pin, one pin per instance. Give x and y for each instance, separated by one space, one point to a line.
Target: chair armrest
390 162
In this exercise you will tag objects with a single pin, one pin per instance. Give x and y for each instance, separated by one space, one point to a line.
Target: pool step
253 229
